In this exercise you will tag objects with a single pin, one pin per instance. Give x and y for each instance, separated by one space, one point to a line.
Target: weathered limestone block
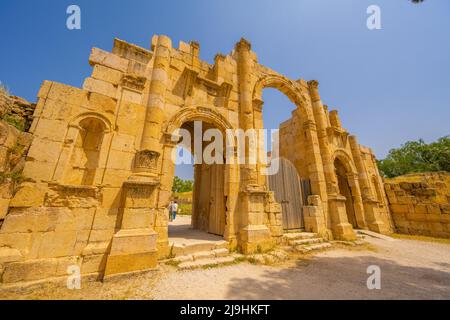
131 96
36 219
29 195
107 59
9 255
102 103
136 218
124 142
56 110
115 177
107 74
93 263
111 197
101 235
72 196
101 87
37 269
52 150
67 94
105 219
132 250
57 244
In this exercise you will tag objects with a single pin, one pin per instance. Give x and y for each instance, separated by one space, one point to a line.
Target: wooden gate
291 192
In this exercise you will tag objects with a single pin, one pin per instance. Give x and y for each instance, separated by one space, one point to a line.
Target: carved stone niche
147 160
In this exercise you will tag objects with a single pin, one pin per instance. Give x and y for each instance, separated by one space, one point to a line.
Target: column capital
243 44
314 90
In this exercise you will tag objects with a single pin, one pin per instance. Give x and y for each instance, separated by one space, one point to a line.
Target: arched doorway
278 106
345 190
208 196
212 206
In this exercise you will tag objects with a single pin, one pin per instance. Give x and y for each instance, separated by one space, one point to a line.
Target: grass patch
15 177
15 121
185 209
187 196
172 263
420 238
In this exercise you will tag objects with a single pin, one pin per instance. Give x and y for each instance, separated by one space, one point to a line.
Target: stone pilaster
319 115
342 230
150 147
371 211
358 206
134 247
255 236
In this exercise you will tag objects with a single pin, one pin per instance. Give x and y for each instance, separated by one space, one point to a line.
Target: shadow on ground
342 278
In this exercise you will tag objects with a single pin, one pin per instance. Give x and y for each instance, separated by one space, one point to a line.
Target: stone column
246 120
255 234
369 202
150 149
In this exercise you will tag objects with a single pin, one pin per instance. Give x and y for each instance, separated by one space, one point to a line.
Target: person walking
174 210
171 211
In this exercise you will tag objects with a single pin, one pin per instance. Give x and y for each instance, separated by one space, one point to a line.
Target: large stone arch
213 117
290 88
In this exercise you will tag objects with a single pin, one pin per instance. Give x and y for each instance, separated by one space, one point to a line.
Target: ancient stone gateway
99 170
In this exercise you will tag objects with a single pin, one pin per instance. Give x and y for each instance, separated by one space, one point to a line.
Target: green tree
180 185
417 156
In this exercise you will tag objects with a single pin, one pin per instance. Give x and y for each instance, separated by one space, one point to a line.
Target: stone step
305 241
203 255
298 235
195 247
313 247
205 263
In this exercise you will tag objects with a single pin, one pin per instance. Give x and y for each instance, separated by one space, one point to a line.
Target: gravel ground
410 269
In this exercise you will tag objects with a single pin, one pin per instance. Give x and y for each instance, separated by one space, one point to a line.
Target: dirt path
409 269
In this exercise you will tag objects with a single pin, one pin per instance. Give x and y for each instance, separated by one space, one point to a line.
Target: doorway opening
199 190
345 190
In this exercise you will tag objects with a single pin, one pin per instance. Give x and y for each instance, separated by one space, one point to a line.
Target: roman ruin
98 172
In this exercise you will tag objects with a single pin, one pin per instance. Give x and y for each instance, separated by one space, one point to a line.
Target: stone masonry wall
16 116
420 203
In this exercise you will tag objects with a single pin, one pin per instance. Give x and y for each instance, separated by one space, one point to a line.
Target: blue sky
390 85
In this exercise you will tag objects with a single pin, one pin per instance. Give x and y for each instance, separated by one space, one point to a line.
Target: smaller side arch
346 161
196 113
77 120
